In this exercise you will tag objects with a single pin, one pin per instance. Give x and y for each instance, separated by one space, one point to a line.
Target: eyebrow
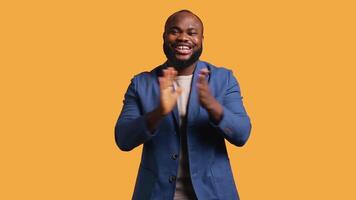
176 27
191 29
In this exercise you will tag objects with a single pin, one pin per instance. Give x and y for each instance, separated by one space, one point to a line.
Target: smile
183 49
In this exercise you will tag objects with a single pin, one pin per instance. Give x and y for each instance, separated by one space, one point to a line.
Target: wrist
159 112
212 106
215 111
153 119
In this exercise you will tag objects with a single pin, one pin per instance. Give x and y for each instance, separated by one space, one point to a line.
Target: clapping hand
168 96
206 99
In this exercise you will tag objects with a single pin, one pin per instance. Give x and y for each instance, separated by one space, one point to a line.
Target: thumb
178 91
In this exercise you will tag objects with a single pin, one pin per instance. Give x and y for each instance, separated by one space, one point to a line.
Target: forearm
215 111
235 127
130 133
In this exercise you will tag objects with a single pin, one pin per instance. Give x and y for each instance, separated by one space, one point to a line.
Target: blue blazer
209 163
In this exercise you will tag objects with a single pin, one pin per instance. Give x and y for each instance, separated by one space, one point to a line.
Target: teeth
183 47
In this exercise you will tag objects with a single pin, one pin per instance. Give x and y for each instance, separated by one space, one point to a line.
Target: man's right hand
168 96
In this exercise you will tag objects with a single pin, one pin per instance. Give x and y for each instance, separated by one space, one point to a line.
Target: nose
182 37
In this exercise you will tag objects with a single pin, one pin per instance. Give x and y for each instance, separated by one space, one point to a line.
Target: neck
184 71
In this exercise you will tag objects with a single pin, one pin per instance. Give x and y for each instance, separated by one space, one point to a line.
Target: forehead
183 20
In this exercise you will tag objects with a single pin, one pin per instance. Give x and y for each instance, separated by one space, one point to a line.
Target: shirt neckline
184 77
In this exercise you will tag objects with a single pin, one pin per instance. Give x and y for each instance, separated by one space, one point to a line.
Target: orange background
65 66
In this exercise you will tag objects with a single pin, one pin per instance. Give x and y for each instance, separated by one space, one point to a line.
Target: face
183 38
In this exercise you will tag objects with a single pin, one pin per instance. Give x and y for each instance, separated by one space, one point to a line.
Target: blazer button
175 156
172 179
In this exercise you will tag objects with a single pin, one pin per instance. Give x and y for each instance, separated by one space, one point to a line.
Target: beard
181 64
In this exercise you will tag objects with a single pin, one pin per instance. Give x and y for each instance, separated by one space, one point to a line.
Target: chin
183 58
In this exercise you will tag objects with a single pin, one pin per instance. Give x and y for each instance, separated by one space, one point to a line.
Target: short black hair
182 11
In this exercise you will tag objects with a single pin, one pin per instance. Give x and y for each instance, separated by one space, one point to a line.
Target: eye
192 33
174 31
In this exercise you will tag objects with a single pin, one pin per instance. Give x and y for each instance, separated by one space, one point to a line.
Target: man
182 112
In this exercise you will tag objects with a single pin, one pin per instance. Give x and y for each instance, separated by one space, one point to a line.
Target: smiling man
182 112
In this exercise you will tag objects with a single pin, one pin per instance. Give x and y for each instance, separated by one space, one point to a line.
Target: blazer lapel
193 107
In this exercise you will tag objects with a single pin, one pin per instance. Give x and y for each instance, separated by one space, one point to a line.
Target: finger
178 91
165 72
199 87
162 83
170 76
170 70
204 71
202 85
174 74
164 79
202 79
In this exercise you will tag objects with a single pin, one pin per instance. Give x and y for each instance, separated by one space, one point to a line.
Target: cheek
171 38
197 41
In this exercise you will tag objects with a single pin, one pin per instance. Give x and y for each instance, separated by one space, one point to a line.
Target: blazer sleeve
235 125
131 128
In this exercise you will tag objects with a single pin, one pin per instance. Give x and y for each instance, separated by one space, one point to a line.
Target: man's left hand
206 99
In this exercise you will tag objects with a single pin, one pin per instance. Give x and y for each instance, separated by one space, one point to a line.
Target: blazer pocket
224 180
145 182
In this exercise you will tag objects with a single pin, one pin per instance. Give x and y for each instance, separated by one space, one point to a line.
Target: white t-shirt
184 188
184 82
